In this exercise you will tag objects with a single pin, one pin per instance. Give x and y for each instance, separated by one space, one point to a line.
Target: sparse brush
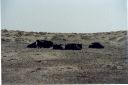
19 34
58 37
7 35
71 35
19 40
112 38
85 37
4 30
5 39
42 33
29 34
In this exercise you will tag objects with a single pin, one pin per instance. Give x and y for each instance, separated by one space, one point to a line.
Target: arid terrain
34 66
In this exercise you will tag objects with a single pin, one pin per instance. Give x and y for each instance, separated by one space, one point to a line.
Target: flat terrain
21 65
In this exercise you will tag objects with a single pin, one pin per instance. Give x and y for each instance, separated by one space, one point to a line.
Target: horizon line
66 32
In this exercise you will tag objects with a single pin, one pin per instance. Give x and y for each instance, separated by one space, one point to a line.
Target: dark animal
73 46
96 45
32 45
41 44
44 43
58 47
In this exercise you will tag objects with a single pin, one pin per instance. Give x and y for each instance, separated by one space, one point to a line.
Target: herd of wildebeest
69 46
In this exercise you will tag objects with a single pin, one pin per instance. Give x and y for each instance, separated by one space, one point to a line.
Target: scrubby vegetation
21 65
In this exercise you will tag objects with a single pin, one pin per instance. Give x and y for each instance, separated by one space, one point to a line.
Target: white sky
64 15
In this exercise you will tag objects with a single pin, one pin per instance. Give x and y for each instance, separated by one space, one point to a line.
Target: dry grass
21 65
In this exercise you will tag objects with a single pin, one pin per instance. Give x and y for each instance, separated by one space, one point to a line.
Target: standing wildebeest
73 46
44 43
96 45
58 47
32 45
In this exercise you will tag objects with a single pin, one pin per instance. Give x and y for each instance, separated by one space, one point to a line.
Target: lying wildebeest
96 45
44 43
32 45
73 46
41 44
58 46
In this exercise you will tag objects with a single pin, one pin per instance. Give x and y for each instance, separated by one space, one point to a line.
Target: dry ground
21 65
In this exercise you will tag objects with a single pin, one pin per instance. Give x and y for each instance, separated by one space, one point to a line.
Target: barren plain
34 66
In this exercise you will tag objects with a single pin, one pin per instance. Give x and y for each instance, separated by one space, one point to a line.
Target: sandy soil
33 66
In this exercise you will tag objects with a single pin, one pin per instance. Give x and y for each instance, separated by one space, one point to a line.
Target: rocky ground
21 65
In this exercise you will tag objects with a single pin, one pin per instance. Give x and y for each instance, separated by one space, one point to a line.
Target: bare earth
33 66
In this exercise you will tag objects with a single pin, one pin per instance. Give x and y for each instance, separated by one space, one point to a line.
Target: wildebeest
41 44
58 46
48 44
44 43
32 45
96 45
73 46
